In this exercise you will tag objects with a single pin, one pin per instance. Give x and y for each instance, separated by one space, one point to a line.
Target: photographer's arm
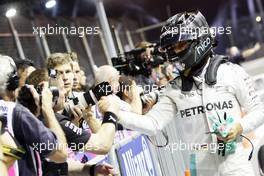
60 153
94 123
101 142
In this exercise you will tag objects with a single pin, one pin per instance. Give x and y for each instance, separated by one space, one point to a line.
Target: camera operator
128 90
205 100
31 137
144 65
62 64
74 134
77 138
76 102
145 79
109 74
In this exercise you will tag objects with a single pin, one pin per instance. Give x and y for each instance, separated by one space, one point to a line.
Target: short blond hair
56 59
74 57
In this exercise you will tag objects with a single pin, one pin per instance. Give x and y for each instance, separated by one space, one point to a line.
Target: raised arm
101 142
60 153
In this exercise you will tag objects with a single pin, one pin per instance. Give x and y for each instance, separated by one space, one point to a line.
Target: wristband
92 170
110 117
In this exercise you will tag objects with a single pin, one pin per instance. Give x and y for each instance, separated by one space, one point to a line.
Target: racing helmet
192 30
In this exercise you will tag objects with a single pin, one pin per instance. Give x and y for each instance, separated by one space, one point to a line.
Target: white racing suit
190 110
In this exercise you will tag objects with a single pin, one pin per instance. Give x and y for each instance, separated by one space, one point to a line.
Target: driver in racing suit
208 87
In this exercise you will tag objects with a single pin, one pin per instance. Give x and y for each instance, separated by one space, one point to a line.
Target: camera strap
165 135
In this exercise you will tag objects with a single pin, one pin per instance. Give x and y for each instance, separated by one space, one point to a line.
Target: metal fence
91 49
131 157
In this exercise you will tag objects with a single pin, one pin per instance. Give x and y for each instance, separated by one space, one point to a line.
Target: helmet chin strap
187 82
187 75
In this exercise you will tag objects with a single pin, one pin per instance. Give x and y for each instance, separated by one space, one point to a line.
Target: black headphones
13 81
